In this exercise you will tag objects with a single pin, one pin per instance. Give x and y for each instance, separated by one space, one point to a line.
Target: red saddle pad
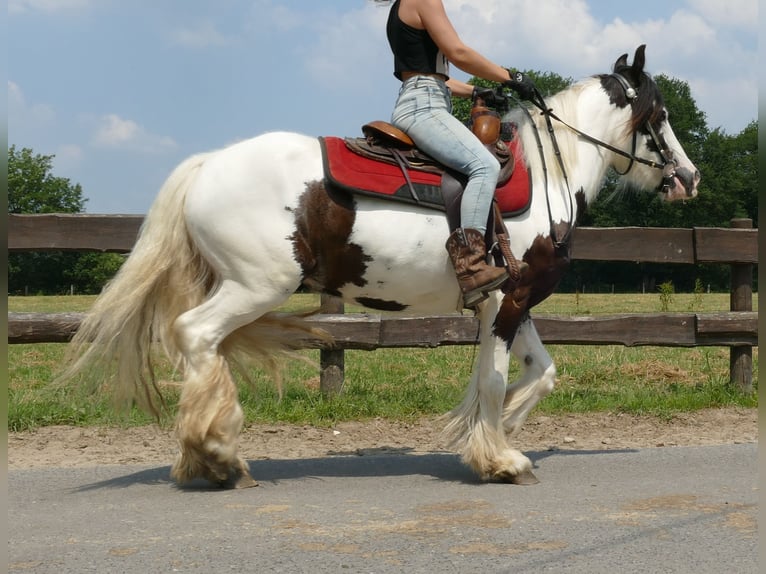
357 174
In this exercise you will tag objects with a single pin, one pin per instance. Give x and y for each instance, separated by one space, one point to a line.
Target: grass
405 384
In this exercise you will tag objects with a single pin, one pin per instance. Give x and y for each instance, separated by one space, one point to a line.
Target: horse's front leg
475 427
536 381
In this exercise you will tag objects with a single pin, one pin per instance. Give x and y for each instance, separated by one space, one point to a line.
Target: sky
120 91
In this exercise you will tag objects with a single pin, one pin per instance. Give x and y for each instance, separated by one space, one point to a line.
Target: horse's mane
565 105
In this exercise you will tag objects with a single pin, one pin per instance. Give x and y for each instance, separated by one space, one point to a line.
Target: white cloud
731 13
275 16
690 40
23 113
37 126
115 132
565 37
70 153
717 102
46 6
352 49
202 35
68 158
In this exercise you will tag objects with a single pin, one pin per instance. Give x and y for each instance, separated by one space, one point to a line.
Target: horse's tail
163 277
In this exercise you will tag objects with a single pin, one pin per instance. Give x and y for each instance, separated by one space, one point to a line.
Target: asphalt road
663 510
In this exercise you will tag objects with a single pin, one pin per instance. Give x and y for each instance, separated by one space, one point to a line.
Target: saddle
386 143
386 164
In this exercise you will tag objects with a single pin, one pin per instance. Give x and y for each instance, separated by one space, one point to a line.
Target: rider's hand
486 94
521 84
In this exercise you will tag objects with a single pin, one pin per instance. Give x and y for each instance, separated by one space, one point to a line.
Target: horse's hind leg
210 417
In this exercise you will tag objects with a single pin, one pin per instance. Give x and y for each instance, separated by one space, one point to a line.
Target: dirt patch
64 446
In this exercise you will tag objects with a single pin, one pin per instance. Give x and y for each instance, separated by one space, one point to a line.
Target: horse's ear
621 62
639 60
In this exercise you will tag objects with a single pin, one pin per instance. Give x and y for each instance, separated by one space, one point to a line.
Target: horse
233 233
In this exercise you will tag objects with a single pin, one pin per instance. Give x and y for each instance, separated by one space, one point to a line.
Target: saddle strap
401 161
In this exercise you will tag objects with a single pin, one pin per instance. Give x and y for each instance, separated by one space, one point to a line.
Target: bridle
667 162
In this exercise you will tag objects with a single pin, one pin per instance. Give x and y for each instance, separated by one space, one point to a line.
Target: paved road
665 510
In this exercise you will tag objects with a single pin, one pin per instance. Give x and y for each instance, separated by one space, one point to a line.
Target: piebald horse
234 233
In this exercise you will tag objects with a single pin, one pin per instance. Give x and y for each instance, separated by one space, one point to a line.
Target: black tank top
414 50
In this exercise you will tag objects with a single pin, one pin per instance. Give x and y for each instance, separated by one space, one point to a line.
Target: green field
405 384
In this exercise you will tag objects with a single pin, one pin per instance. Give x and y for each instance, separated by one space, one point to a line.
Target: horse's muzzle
680 183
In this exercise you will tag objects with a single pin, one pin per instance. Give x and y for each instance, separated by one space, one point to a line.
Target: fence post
741 299
331 363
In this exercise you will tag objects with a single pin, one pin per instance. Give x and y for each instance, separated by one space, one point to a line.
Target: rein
666 155
667 165
570 223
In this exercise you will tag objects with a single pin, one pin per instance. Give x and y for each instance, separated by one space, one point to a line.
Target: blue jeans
424 111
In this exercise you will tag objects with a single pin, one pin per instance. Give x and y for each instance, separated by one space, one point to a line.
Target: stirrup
476 296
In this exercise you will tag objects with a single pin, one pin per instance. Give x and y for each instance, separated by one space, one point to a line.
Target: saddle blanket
355 174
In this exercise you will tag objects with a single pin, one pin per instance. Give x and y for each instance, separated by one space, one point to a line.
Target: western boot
468 254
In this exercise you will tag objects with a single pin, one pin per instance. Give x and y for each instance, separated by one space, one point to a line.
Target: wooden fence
736 328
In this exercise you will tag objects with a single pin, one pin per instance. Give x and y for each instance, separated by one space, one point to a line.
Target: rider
424 43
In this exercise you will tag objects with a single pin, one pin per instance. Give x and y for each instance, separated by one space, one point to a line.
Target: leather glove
486 94
521 84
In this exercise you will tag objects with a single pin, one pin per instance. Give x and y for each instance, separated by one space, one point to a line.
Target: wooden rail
373 331
117 233
736 246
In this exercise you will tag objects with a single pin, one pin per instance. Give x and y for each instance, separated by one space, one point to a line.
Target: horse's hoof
524 478
238 478
234 483
245 481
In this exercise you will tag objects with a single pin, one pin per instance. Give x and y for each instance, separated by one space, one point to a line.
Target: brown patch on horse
547 265
324 219
548 262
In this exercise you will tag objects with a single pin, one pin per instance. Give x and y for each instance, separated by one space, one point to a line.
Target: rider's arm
460 89
434 19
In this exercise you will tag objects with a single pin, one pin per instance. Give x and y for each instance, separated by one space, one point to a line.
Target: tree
91 271
688 121
729 166
32 188
745 149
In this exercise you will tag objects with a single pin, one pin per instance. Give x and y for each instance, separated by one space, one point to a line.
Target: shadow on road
441 466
